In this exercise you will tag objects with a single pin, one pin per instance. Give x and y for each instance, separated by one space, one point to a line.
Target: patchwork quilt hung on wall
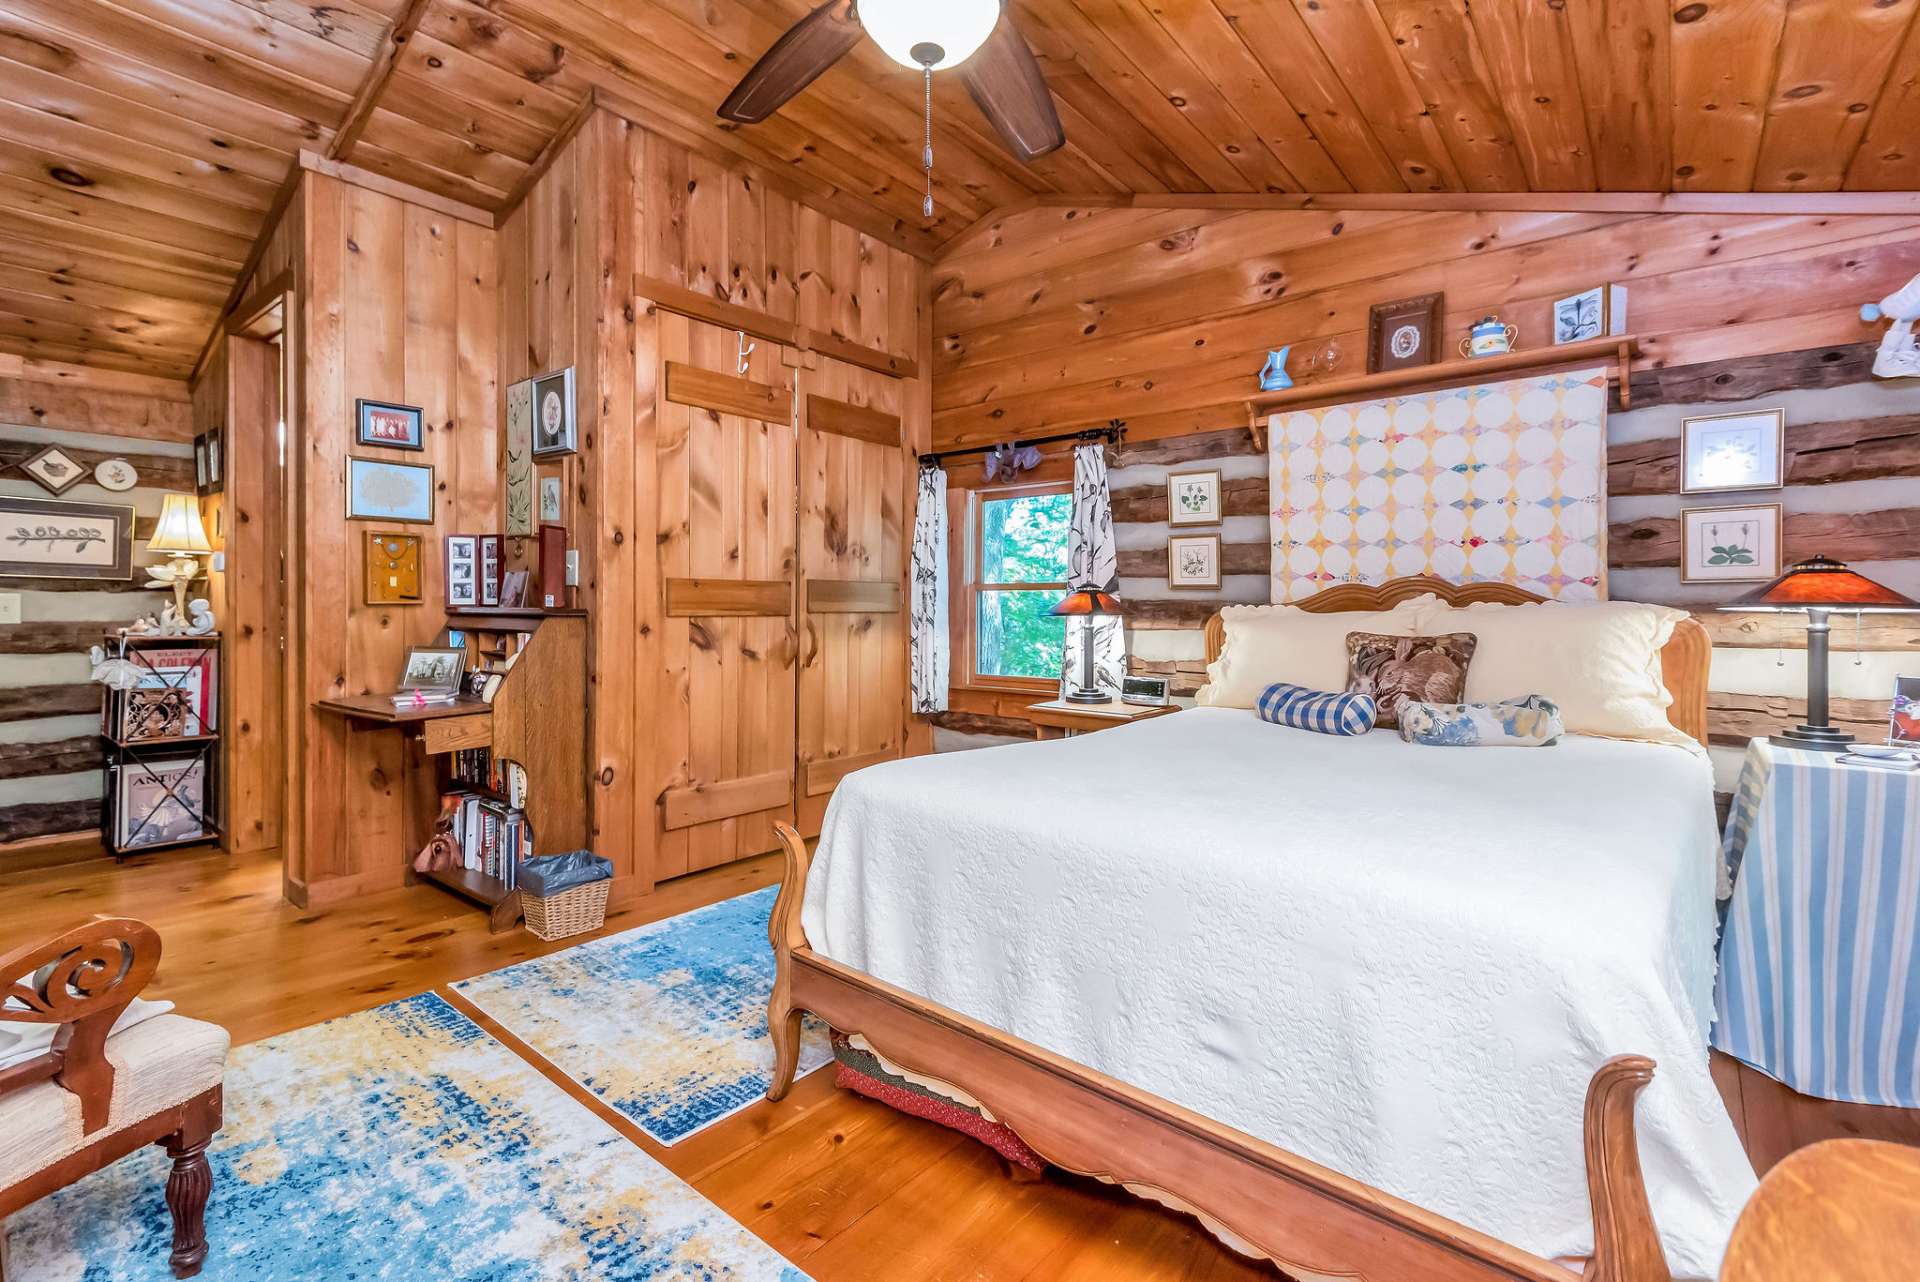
1500 482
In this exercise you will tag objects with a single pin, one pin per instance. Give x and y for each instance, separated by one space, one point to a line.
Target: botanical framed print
433 670
520 458
1404 333
1730 544
550 494
1592 313
1193 498
1905 724
54 469
1193 561
553 423
393 569
463 570
489 569
381 491
395 427
56 539
1743 451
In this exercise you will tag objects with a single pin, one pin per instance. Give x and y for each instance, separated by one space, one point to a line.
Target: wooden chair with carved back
93 1095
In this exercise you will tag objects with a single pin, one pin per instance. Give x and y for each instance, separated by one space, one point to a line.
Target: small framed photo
1404 333
550 496
381 491
394 427
1905 726
58 539
1600 312
433 670
208 465
55 470
1730 544
1744 451
1193 561
489 569
393 569
553 423
1193 498
463 570
513 589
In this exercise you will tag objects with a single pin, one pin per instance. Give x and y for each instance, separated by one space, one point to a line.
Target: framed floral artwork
1730 544
1193 561
1193 498
1744 451
54 539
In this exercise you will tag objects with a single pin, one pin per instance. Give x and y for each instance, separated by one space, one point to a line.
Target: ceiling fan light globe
911 31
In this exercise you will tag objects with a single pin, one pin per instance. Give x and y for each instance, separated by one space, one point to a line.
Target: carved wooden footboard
1312 1221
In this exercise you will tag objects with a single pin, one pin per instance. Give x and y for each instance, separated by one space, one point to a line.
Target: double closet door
783 487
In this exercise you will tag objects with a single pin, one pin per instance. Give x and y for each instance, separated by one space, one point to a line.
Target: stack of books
480 768
494 838
1881 757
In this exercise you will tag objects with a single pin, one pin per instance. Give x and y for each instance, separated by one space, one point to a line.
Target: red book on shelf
553 567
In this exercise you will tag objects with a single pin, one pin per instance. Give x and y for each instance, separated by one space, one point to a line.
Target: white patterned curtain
927 635
1093 560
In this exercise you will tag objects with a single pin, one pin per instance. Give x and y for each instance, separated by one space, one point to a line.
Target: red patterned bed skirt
857 1070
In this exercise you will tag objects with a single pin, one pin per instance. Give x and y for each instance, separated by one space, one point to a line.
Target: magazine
192 673
160 801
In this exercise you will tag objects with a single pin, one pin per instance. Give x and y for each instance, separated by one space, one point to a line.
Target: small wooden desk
1064 718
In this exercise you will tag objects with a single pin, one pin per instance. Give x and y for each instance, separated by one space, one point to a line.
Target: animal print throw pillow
1532 722
1396 669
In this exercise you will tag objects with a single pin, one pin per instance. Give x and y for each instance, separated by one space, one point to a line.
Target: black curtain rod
1113 433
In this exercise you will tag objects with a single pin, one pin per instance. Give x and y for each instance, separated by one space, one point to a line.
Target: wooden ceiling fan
998 68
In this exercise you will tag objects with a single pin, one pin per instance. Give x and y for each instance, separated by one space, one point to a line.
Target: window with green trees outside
1021 576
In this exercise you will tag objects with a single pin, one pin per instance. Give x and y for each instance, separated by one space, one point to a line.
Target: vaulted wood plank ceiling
143 143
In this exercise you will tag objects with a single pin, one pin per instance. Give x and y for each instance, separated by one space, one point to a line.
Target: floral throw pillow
1396 669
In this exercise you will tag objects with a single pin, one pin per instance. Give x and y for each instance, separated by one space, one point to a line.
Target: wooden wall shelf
1619 349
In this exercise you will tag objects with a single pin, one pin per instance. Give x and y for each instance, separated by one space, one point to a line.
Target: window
1019 561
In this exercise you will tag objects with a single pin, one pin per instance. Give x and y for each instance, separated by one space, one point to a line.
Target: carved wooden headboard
1683 663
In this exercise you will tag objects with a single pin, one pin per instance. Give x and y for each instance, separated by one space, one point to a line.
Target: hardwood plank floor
847 1189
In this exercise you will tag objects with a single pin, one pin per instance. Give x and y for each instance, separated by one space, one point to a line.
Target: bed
1398 1033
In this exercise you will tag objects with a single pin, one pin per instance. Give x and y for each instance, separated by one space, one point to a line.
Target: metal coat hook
746 349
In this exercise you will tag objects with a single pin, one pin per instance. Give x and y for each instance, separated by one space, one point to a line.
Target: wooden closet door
854 478
724 718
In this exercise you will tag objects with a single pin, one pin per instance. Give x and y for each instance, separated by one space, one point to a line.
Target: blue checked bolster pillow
1532 722
1316 710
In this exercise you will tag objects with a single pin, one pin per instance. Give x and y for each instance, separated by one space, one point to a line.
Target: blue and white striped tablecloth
1819 961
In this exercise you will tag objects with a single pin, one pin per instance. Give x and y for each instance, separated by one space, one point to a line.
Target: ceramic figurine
1898 356
1273 375
199 617
1489 337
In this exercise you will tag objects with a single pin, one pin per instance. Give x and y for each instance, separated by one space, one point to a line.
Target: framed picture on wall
554 432
393 569
463 570
1730 544
1744 451
381 491
1193 498
550 494
1193 561
394 427
54 469
208 465
489 569
1404 333
57 539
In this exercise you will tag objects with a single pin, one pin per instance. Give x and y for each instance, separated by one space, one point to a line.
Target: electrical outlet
9 607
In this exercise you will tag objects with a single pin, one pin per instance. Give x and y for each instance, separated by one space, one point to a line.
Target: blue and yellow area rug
398 1144
666 1023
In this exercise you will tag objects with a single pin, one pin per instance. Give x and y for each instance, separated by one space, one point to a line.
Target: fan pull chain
926 156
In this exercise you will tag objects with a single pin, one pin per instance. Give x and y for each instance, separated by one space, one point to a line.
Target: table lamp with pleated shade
1820 585
182 537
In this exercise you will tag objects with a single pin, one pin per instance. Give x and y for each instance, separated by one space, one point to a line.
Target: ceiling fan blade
808 48
1005 81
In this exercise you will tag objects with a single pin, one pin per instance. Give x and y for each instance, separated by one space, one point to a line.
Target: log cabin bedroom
1012 640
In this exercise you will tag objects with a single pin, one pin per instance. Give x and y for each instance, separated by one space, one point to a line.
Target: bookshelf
537 718
161 745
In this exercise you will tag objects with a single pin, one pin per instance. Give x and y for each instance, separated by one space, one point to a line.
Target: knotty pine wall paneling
1054 318
622 201
396 304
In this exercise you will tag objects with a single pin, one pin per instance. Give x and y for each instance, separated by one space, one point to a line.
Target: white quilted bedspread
1401 962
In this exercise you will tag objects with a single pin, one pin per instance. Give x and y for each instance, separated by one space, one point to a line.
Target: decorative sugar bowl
1489 337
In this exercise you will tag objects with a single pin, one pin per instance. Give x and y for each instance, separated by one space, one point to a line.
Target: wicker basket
574 911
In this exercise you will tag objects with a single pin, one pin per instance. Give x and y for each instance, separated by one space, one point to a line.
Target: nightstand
1062 718
1815 987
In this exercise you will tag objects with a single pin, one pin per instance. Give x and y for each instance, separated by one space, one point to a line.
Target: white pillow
1269 643
1600 663
22 1042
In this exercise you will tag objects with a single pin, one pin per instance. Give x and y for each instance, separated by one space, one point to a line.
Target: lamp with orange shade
1820 585
1086 602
